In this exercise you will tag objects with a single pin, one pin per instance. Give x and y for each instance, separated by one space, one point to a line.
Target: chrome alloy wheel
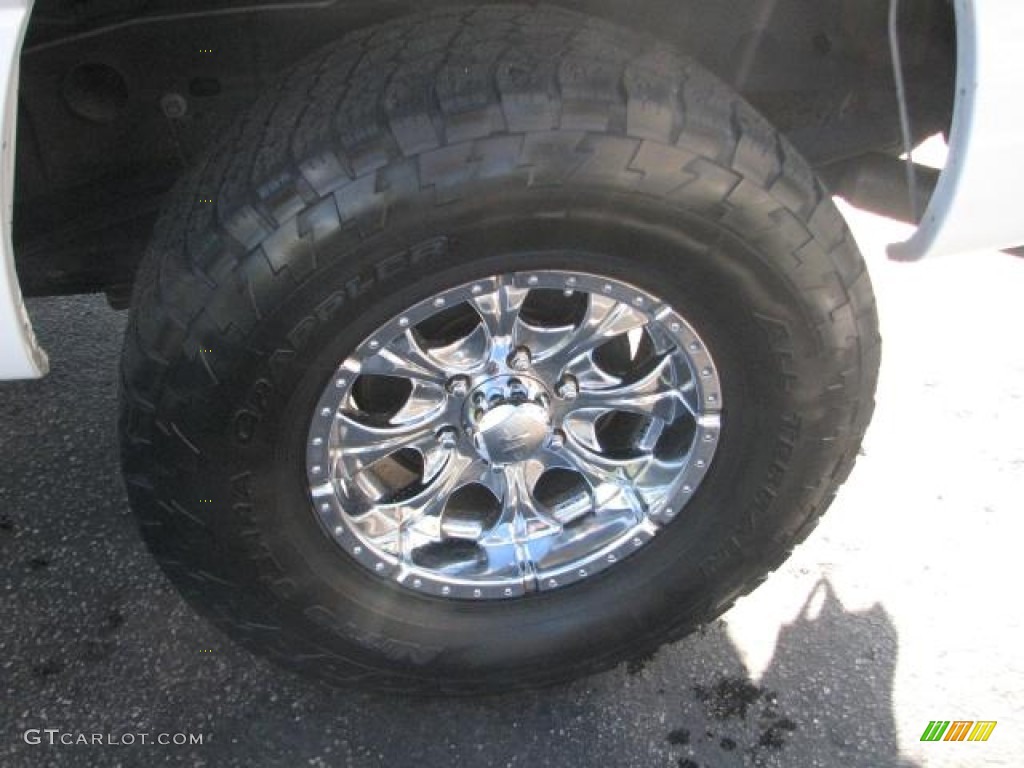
514 434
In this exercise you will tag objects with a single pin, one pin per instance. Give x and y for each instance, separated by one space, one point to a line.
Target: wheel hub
509 419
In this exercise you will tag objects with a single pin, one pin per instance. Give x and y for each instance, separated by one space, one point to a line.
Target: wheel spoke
654 394
360 445
543 341
469 525
605 319
589 375
523 524
544 460
425 402
643 471
599 469
422 515
520 510
466 354
617 485
405 358
499 311
564 511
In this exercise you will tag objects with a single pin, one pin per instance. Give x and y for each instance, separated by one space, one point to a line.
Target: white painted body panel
977 204
20 356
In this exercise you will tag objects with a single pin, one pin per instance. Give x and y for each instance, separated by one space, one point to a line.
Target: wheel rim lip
337 523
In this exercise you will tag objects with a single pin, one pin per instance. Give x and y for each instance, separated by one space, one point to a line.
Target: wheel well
119 97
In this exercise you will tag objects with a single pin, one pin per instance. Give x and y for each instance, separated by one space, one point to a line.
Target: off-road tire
407 158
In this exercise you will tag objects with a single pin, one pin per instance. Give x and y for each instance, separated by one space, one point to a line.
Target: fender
977 202
20 355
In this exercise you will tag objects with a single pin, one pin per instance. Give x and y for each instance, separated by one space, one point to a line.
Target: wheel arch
118 99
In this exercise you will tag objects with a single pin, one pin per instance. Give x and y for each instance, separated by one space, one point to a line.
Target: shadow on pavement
93 640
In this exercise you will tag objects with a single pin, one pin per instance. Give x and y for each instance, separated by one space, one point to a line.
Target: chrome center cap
510 433
509 419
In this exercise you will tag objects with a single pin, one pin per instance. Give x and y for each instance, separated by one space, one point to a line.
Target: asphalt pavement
903 606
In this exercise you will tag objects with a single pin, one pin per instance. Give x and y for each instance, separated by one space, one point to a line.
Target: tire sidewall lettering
248 419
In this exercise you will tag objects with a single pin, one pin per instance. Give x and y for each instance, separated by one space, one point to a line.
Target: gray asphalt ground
903 607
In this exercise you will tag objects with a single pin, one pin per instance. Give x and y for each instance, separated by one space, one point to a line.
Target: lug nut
447 438
516 390
458 386
568 388
520 359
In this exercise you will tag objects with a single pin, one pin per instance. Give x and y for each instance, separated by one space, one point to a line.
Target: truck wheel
491 348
